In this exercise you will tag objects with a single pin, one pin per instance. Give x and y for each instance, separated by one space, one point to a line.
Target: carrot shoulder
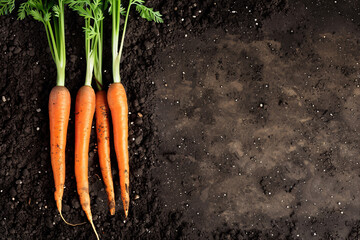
102 113
119 113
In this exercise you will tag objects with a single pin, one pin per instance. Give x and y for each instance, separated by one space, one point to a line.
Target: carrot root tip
126 213
93 226
71 224
112 212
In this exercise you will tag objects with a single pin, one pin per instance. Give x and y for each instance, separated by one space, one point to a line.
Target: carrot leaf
37 15
149 14
56 11
23 10
6 6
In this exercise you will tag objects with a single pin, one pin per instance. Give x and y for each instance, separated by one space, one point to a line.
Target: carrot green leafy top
51 14
6 6
116 10
92 12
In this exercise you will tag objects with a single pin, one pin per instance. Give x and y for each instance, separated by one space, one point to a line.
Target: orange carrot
84 113
119 113
59 111
116 94
102 113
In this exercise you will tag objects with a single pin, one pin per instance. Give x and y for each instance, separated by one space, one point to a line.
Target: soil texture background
244 120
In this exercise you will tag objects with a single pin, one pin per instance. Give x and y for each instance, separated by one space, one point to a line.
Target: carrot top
116 10
6 6
92 12
51 14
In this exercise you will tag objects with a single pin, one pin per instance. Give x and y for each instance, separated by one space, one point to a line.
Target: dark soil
244 124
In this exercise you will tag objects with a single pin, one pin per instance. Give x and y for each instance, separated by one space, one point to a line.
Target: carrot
116 93
92 12
59 99
59 111
94 52
103 140
84 113
119 113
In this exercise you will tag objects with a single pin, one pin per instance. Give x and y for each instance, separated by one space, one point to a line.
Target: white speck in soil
3 98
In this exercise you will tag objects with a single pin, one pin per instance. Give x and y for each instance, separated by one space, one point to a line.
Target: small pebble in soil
17 50
3 98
